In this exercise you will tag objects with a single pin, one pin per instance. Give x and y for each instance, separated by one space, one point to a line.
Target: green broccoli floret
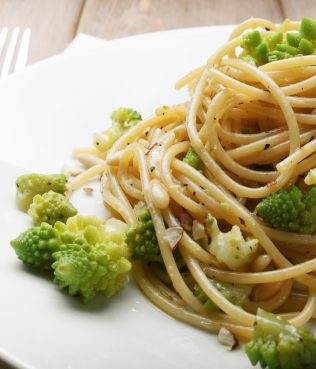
90 259
251 40
305 47
29 185
249 59
51 207
236 294
287 49
141 239
36 246
308 28
193 159
293 38
260 49
274 39
231 248
277 344
291 211
122 120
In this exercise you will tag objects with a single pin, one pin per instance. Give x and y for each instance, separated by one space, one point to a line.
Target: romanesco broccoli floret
36 246
141 239
291 211
231 248
122 120
51 207
29 185
193 159
90 260
236 294
277 344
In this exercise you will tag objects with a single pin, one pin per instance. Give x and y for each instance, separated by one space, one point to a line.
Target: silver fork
11 47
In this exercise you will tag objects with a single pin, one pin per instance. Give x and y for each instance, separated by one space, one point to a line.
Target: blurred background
54 23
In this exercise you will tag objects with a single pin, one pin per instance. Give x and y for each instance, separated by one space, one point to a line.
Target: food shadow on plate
99 303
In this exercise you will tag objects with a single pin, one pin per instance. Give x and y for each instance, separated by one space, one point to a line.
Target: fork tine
10 52
3 36
21 59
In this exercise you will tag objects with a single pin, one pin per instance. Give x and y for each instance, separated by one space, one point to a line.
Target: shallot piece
227 339
198 230
185 221
173 236
88 190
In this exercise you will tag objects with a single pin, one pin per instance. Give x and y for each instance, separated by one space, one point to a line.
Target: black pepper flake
242 221
266 146
194 193
267 28
152 168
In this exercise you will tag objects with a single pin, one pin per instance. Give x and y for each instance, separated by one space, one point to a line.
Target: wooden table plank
296 9
117 18
53 23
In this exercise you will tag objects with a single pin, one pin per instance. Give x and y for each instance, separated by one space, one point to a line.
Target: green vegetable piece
193 159
249 59
29 185
90 228
125 117
87 270
231 248
290 211
308 28
36 246
122 120
88 261
236 294
262 52
251 40
310 205
278 55
276 344
305 47
274 39
293 39
51 207
141 239
287 49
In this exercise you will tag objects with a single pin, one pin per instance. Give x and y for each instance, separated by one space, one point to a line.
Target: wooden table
55 23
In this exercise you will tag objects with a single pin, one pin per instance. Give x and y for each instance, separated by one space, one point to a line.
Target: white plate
46 111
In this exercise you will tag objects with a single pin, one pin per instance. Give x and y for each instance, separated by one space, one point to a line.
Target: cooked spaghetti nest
254 129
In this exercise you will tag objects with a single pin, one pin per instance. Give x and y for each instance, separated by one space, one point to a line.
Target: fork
13 48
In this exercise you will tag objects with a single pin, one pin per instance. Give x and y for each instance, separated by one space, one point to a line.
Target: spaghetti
254 129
